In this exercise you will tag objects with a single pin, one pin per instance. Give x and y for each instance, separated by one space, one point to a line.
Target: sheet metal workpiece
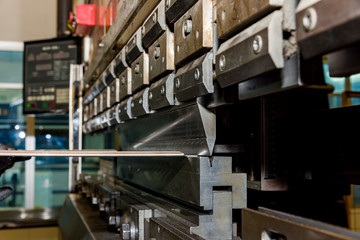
239 58
134 48
154 25
161 93
325 26
161 56
140 73
125 83
176 8
194 79
140 103
194 31
234 15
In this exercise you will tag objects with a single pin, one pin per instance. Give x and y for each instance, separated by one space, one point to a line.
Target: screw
140 101
125 231
222 62
177 83
143 30
310 19
132 104
123 80
157 52
154 17
162 90
257 44
168 3
137 68
197 74
150 95
187 27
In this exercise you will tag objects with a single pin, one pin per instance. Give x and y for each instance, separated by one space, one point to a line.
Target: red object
52 104
85 18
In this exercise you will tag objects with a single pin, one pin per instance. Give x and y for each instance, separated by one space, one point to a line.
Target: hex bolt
137 68
222 62
157 52
309 20
197 74
187 28
177 83
125 231
143 30
257 44
150 95
162 90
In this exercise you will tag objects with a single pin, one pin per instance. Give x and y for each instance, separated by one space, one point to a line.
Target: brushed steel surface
325 26
161 56
239 58
125 83
176 8
193 32
154 25
194 79
87 153
140 103
232 15
189 179
140 73
190 129
161 93
134 48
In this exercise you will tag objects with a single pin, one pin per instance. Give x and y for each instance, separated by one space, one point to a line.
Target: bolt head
222 62
125 231
257 44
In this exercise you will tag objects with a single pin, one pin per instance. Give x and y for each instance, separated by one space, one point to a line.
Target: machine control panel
46 74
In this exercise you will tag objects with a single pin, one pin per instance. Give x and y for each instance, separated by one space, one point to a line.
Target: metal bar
88 153
30 143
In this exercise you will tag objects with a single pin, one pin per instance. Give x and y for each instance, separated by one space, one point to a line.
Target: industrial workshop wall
24 20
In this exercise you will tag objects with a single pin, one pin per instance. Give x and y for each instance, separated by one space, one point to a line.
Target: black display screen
46 74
